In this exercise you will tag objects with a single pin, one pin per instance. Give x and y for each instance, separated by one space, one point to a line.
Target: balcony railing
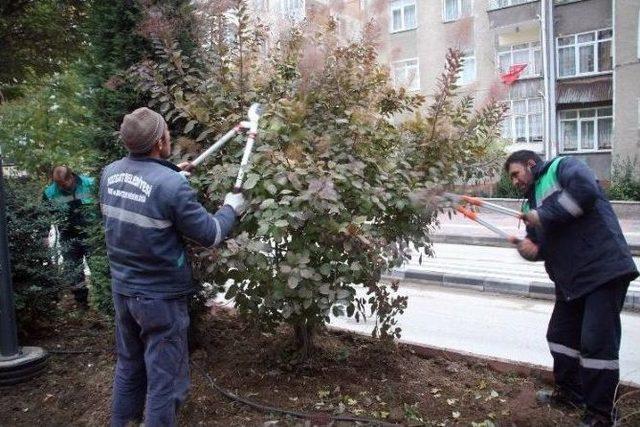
499 4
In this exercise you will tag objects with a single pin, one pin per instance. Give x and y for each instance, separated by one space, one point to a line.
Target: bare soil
348 375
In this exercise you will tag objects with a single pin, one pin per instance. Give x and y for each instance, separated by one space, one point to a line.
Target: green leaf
324 289
251 181
231 292
350 309
189 127
267 203
204 134
293 282
306 273
272 189
281 223
343 294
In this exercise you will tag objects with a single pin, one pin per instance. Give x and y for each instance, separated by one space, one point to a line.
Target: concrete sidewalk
502 326
460 230
488 269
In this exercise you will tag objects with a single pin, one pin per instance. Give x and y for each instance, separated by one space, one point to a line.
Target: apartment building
626 79
578 94
281 14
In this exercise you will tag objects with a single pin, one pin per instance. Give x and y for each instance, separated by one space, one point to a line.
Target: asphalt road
486 324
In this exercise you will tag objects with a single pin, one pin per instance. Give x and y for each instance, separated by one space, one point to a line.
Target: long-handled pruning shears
459 202
251 125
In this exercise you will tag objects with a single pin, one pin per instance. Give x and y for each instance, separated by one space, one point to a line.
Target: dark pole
8 331
17 364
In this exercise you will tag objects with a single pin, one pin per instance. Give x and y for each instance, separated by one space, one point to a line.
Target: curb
532 289
500 365
493 241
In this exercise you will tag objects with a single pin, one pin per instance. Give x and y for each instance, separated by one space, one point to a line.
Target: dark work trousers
152 371
73 251
584 339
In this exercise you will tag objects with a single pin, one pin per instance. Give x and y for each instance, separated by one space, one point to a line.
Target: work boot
591 419
81 296
558 397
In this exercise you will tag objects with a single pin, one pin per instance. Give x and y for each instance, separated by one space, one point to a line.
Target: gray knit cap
141 129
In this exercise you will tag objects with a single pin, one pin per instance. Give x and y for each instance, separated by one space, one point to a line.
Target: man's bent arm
578 195
194 222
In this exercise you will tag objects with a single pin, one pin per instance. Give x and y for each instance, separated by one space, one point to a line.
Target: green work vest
83 192
545 185
76 205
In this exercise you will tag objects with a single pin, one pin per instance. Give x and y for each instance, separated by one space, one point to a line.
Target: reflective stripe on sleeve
134 218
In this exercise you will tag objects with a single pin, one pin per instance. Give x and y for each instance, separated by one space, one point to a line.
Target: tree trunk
304 331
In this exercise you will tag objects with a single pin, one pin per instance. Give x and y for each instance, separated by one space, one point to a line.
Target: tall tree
37 38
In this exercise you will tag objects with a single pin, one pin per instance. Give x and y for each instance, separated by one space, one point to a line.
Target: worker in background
149 209
571 226
72 193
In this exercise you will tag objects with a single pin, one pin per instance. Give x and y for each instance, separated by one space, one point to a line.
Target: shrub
332 173
625 180
505 189
100 280
36 277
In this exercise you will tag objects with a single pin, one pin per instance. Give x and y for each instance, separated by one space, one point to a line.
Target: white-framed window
588 129
499 4
523 122
289 9
524 53
452 10
406 74
468 73
403 15
585 53
260 5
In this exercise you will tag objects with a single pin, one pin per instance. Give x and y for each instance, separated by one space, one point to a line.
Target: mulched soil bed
349 375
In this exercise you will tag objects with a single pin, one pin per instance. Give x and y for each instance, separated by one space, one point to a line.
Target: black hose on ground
295 414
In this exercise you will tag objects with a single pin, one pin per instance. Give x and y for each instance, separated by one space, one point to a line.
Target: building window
499 4
585 53
524 120
406 74
525 53
290 9
468 73
453 10
403 15
586 130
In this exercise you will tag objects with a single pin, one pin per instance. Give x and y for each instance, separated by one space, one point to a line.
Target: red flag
513 74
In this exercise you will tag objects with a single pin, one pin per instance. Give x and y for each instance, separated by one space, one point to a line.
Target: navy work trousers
152 371
584 339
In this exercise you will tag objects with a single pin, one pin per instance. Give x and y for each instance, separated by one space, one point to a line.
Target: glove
236 201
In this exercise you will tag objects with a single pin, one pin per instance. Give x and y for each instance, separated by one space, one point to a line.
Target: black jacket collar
540 168
145 158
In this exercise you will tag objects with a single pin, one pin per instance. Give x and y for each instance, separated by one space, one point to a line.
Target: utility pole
17 364
549 67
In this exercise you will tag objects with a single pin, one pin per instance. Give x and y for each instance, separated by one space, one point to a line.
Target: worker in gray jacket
149 209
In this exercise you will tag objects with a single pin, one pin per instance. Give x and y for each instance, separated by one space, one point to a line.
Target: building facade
626 80
578 93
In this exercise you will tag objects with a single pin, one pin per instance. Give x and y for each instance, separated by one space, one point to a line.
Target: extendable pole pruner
460 200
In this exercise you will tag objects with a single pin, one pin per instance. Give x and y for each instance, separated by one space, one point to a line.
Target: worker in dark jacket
149 209
572 227
74 195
